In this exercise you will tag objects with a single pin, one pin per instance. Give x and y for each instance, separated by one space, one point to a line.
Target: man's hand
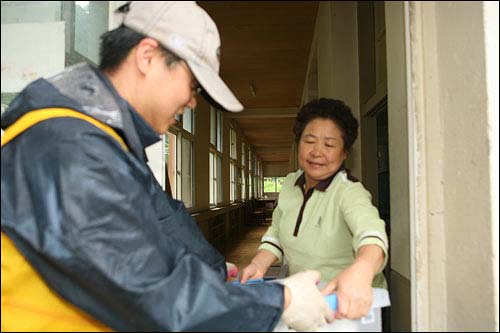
232 270
307 309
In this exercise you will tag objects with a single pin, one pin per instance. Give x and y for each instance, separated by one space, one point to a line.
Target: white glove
308 309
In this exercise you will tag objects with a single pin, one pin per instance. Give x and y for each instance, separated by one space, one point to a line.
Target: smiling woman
324 219
325 131
321 151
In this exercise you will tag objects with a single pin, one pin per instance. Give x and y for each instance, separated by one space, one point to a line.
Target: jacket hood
84 89
79 87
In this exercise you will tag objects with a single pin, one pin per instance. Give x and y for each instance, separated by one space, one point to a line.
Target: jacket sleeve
96 239
176 223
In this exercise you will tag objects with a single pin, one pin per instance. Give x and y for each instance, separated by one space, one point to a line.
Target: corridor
241 250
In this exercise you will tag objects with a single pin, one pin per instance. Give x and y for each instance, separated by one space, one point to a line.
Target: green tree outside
273 184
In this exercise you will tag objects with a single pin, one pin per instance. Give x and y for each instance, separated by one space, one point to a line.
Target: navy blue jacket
91 218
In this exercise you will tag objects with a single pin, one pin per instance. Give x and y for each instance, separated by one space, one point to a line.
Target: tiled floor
242 249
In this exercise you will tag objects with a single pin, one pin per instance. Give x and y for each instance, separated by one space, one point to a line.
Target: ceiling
265 44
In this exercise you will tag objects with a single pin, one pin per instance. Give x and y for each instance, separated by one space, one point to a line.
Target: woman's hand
252 271
354 285
354 292
258 266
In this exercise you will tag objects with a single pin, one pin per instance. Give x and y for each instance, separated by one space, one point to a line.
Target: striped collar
322 185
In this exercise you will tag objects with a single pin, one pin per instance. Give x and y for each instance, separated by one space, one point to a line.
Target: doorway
376 177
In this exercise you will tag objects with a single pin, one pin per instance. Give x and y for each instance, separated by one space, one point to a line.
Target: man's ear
144 53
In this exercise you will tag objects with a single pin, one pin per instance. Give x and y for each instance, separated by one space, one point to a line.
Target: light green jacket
335 224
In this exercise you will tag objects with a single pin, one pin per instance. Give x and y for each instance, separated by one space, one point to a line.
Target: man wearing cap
89 240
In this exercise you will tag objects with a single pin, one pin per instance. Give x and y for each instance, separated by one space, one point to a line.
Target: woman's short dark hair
326 108
117 44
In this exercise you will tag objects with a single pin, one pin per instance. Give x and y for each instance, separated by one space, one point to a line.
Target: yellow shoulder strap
29 305
34 117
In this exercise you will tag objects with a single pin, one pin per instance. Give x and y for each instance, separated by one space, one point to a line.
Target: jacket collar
145 133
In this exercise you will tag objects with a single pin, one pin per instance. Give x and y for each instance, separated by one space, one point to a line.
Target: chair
268 212
256 214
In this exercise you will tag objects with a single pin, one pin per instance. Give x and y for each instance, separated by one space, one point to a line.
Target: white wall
337 62
32 42
467 205
398 139
397 112
30 51
490 13
31 11
453 90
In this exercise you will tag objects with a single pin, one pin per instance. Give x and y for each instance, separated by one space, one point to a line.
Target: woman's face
321 150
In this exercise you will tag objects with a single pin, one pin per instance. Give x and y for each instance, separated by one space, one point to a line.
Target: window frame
215 151
179 181
275 181
72 56
233 163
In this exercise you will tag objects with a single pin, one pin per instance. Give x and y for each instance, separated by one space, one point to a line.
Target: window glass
188 120
215 156
178 168
91 21
219 178
273 184
187 172
243 153
232 178
250 160
211 182
215 169
233 195
170 161
250 186
232 142
213 126
219 131
243 184
179 156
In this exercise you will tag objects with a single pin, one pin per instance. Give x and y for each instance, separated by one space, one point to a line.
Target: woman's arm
258 266
354 285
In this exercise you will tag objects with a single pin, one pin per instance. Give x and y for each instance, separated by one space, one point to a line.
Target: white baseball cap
189 32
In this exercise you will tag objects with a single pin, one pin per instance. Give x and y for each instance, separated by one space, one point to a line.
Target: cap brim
213 85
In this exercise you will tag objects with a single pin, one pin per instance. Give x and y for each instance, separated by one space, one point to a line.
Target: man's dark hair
117 44
332 109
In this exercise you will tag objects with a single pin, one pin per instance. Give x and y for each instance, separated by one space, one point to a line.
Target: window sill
214 211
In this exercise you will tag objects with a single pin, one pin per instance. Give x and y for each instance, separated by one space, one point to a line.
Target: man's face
168 90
